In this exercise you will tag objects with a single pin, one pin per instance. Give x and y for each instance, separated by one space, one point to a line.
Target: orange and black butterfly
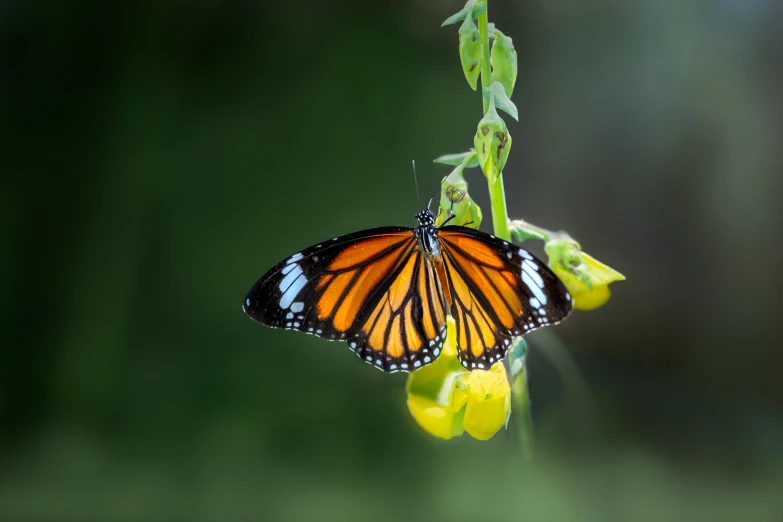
387 292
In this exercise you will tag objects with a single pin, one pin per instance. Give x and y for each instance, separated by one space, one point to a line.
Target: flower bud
470 51
503 59
456 205
486 396
493 143
586 278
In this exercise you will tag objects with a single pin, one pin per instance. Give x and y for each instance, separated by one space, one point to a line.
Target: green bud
565 255
455 201
492 142
503 59
474 8
470 51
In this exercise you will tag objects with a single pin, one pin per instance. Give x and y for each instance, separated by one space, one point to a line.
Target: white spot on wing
289 315
534 302
289 278
297 307
525 254
293 290
295 257
287 269
533 274
533 287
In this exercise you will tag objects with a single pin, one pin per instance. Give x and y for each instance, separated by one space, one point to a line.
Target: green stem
497 195
497 199
531 229
521 399
486 71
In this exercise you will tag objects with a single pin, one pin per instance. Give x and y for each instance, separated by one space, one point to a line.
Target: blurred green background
158 157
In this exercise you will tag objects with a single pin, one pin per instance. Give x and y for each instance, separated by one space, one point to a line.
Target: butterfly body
387 292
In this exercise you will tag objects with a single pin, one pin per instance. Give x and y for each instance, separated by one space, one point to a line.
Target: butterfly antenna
416 182
435 194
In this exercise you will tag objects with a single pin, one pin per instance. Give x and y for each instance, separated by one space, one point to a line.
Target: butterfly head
425 218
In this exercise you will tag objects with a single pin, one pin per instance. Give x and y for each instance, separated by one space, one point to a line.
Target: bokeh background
158 157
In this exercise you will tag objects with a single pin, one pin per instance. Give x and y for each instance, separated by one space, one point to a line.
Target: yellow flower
447 400
586 278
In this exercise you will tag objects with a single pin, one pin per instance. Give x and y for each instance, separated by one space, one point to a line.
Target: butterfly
387 291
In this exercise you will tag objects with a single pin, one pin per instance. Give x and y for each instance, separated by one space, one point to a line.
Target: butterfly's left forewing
314 290
499 291
364 288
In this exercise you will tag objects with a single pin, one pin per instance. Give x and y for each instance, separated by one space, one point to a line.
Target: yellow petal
600 274
430 391
487 399
436 419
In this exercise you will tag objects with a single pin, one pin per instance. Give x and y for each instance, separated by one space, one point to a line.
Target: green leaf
502 101
456 159
516 356
456 17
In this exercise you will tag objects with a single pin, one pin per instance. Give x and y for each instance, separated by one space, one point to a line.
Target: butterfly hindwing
499 291
407 327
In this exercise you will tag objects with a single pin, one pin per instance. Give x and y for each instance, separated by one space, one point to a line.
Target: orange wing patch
400 287
395 347
375 327
475 249
324 280
366 250
333 292
367 281
412 337
505 306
